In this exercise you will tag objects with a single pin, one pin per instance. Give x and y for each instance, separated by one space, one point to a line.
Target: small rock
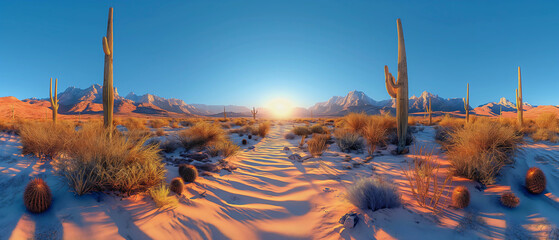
285 149
349 220
197 156
295 157
346 165
305 158
250 147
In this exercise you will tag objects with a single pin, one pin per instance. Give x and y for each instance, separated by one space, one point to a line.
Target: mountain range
89 101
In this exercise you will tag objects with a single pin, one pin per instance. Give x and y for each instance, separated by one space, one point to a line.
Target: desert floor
272 197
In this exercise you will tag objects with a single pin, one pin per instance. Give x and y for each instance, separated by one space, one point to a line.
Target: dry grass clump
262 129
373 193
375 132
244 130
451 122
160 195
356 122
547 128
10 126
348 140
121 163
45 138
174 124
319 129
134 124
424 182
412 121
158 123
224 148
159 132
201 134
289 136
301 130
318 144
480 149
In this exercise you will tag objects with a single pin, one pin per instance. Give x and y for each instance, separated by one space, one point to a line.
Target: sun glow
280 108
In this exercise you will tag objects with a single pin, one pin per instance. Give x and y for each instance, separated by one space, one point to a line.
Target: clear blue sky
248 52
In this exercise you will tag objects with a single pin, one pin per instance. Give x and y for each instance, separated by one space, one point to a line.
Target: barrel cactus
535 180
37 196
509 200
460 197
399 90
244 142
188 172
177 185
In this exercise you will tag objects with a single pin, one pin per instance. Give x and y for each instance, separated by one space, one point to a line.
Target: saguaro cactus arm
519 103
106 46
108 90
54 99
391 86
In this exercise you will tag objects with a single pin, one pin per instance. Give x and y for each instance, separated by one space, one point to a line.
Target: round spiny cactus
244 142
508 199
535 180
177 185
249 136
37 197
460 197
188 172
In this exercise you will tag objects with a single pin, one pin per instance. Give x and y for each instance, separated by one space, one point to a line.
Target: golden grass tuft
480 149
158 123
451 122
224 148
356 122
262 129
318 144
121 163
201 134
45 138
160 195
547 128
375 132
134 124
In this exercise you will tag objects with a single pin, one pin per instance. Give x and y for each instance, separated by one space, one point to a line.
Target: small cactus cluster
54 99
535 180
460 197
188 172
37 196
177 185
509 200
254 112
244 142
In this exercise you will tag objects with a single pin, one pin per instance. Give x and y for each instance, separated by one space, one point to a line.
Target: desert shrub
451 122
188 173
262 129
186 123
301 131
200 135
119 163
240 121
289 136
412 121
535 180
356 122
226 125
242 130
509 200
442 134
9 126
224 148
374 133
348 140
134 124
373 193
158 123
37 196
174 124
159 132
423 180
319 129
46 139
460 197
177 185
547 128
170 144
480 149
317 145
160 195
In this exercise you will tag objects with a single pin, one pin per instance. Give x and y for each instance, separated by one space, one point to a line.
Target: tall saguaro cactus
254 112
108 90
54 99
399 90
224 114
519 107
467 103
430 111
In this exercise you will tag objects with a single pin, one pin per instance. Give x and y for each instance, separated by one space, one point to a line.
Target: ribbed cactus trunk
467 103
224 114
430 111
254 112
519 103
54 100
13 113
108 90
399 90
